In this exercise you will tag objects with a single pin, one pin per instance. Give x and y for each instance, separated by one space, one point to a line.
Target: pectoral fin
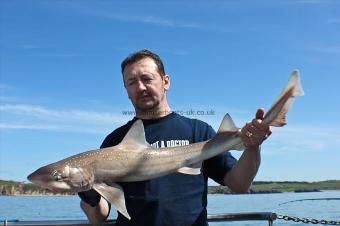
189 170
114 194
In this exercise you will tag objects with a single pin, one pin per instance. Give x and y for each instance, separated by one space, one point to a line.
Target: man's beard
147 108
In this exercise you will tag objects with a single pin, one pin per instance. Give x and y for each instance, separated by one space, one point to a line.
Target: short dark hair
142 54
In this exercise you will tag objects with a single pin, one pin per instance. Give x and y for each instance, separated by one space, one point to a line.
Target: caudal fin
276 115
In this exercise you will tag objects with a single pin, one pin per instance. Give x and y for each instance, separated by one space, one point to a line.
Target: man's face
145 86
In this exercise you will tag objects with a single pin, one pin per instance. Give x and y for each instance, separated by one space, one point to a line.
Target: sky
61 89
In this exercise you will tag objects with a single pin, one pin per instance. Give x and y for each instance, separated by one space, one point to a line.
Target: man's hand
255 132
91 197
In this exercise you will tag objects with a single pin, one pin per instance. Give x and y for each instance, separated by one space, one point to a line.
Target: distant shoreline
14 188
266 187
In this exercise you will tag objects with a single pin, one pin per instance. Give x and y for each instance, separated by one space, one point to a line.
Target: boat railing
250 216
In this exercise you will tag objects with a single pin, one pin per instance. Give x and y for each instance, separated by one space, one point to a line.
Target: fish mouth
53 186
37 179
41 177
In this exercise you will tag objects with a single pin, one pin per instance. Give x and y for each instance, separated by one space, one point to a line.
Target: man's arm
96 208
243 173
97 214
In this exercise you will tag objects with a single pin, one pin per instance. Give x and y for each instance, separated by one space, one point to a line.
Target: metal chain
307 220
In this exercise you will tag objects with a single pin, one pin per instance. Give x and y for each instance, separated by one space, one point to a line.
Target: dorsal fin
227 124
135 135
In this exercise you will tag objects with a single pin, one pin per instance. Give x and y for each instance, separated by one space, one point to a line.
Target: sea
311 205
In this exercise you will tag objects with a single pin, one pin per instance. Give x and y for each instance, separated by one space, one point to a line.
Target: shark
135 160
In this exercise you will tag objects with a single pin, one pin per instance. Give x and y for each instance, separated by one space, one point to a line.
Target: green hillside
24 188
283 186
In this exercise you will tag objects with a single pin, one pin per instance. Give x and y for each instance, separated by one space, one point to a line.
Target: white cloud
42 112
28 46
105 11
304 138
288 139
292 138
22 116
333 21
62 55
4 87
146 19
323 2
55 127
329 49
29 126
7 98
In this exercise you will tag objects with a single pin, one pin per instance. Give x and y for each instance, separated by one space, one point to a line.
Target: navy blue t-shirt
176 199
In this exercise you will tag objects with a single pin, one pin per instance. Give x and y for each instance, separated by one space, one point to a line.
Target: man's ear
166 82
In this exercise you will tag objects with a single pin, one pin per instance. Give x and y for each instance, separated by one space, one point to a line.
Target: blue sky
61 90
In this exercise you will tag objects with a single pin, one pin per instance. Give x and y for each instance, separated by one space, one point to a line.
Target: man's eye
147 80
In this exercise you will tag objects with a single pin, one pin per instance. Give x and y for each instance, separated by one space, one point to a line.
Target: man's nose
141 85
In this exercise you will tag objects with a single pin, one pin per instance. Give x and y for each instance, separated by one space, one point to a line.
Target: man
175 199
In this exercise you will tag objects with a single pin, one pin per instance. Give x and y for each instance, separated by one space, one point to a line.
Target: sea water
67 207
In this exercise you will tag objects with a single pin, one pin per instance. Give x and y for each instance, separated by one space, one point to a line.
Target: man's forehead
141 67
143 64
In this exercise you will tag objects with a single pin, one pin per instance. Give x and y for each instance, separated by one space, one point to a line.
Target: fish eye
57 176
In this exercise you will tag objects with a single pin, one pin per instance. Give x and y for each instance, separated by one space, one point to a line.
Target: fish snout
41 176
30 177
36 177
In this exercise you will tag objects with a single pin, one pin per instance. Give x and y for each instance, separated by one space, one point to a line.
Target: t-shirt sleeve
216 167
107 142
